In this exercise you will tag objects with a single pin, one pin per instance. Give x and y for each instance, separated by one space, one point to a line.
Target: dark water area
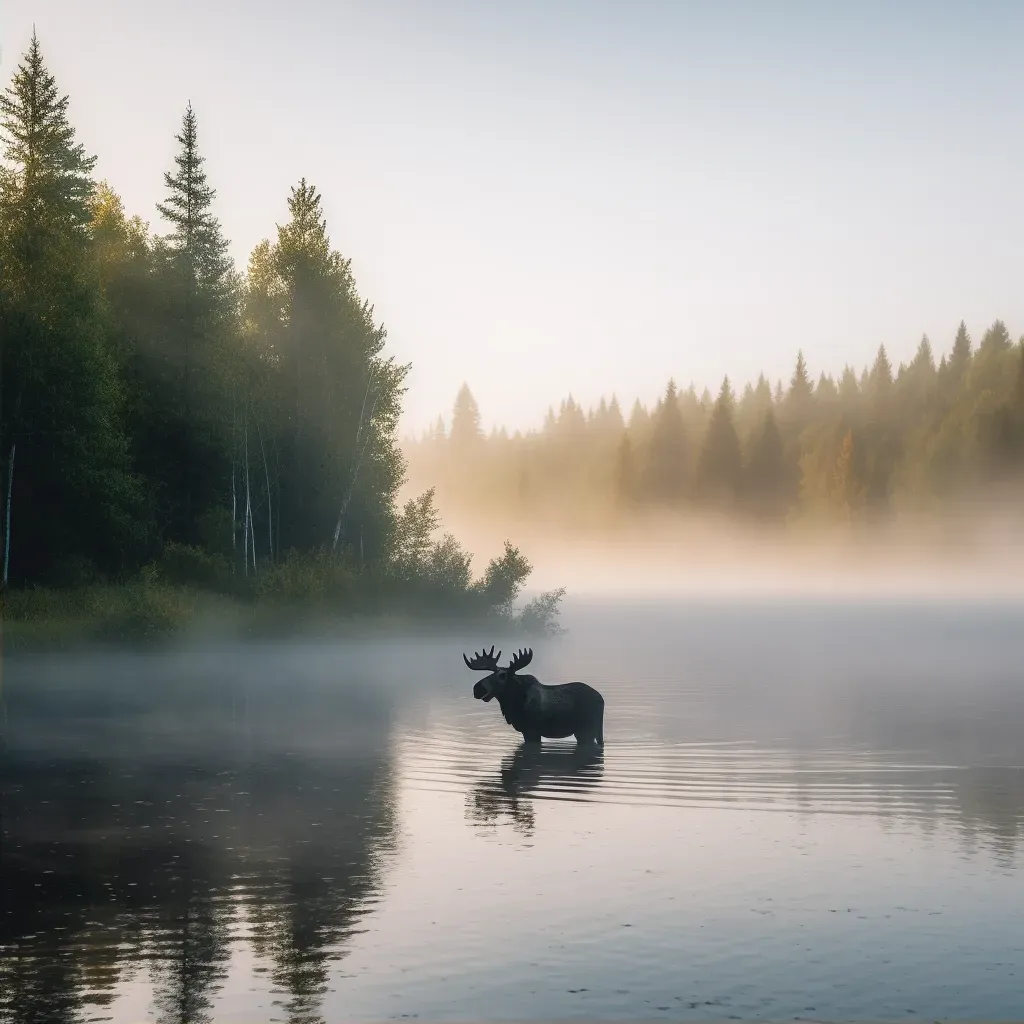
803 810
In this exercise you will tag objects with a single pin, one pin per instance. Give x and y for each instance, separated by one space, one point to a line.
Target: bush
142 609
317 578
503 580
540 616
188 565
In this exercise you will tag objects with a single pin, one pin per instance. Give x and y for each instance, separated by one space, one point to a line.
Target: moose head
494 684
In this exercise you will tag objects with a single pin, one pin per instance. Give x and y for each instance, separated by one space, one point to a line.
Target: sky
585 197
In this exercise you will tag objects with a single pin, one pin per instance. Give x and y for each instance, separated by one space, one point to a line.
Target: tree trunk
248 500
7 515
270 503
245 526
234 496
360 451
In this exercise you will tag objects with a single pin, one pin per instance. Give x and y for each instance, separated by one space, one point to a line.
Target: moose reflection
553 773
536 710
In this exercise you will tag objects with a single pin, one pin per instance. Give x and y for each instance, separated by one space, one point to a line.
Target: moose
535 710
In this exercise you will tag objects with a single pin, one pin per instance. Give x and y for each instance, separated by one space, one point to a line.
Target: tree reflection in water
160 837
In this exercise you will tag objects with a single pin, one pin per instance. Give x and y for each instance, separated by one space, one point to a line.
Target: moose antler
485 661
521 660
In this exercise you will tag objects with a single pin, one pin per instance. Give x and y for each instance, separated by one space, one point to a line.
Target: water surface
801 811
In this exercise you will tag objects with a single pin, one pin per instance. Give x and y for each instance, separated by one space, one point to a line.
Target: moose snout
482 692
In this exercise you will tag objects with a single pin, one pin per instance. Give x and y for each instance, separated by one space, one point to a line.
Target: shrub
316 578
540 616
188 565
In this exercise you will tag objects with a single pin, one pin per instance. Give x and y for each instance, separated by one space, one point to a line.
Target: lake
803 810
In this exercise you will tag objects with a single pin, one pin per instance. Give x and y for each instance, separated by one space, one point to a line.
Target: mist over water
805 807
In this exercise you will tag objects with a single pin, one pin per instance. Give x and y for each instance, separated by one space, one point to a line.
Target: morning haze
671 349
544 198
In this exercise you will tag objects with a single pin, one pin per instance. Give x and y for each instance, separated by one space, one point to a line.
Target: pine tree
466 432
196 241
766 484
335 396
198 286
667 468
923 363
960 357
995 339
65 471
881 381
720 464
625 474
800 393
47 185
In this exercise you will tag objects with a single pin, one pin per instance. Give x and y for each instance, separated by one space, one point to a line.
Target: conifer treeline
159 409
838 451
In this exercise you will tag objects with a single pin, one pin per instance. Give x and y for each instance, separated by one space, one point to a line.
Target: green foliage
191 565
411 546
62 403
195 242
191 431
503 580
540 616
142 609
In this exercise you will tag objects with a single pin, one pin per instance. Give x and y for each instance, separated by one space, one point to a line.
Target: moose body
534 709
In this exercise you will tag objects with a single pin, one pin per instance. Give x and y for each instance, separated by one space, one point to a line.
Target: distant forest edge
840 454
172 427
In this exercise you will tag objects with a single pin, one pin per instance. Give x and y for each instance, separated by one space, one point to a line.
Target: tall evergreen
466 431
765 487
335 399
191 367
800 393
666 474
720 463
65 464
46 185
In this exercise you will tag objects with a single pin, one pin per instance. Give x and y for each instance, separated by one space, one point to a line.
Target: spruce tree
466 432
198 283
336 397
720 464
65 466
798 397
196 242
46 186
960 357
667 468
766 485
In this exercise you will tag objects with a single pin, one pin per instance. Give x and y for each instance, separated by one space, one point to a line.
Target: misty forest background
862 450
168 420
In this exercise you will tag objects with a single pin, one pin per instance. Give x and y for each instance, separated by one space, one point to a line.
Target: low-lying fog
804 807
975 551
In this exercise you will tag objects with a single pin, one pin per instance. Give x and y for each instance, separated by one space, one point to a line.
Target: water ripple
648 773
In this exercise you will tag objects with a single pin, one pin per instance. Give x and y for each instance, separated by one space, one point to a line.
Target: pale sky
576 195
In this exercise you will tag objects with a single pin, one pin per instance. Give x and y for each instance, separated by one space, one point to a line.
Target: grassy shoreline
150 613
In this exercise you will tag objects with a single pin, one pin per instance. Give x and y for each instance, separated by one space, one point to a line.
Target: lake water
803 810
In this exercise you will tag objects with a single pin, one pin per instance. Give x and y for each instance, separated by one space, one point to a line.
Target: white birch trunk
248 500
234 495
7 514
270 503
361 451
245 526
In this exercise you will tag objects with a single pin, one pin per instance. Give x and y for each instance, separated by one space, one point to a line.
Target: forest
842 454
168 421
